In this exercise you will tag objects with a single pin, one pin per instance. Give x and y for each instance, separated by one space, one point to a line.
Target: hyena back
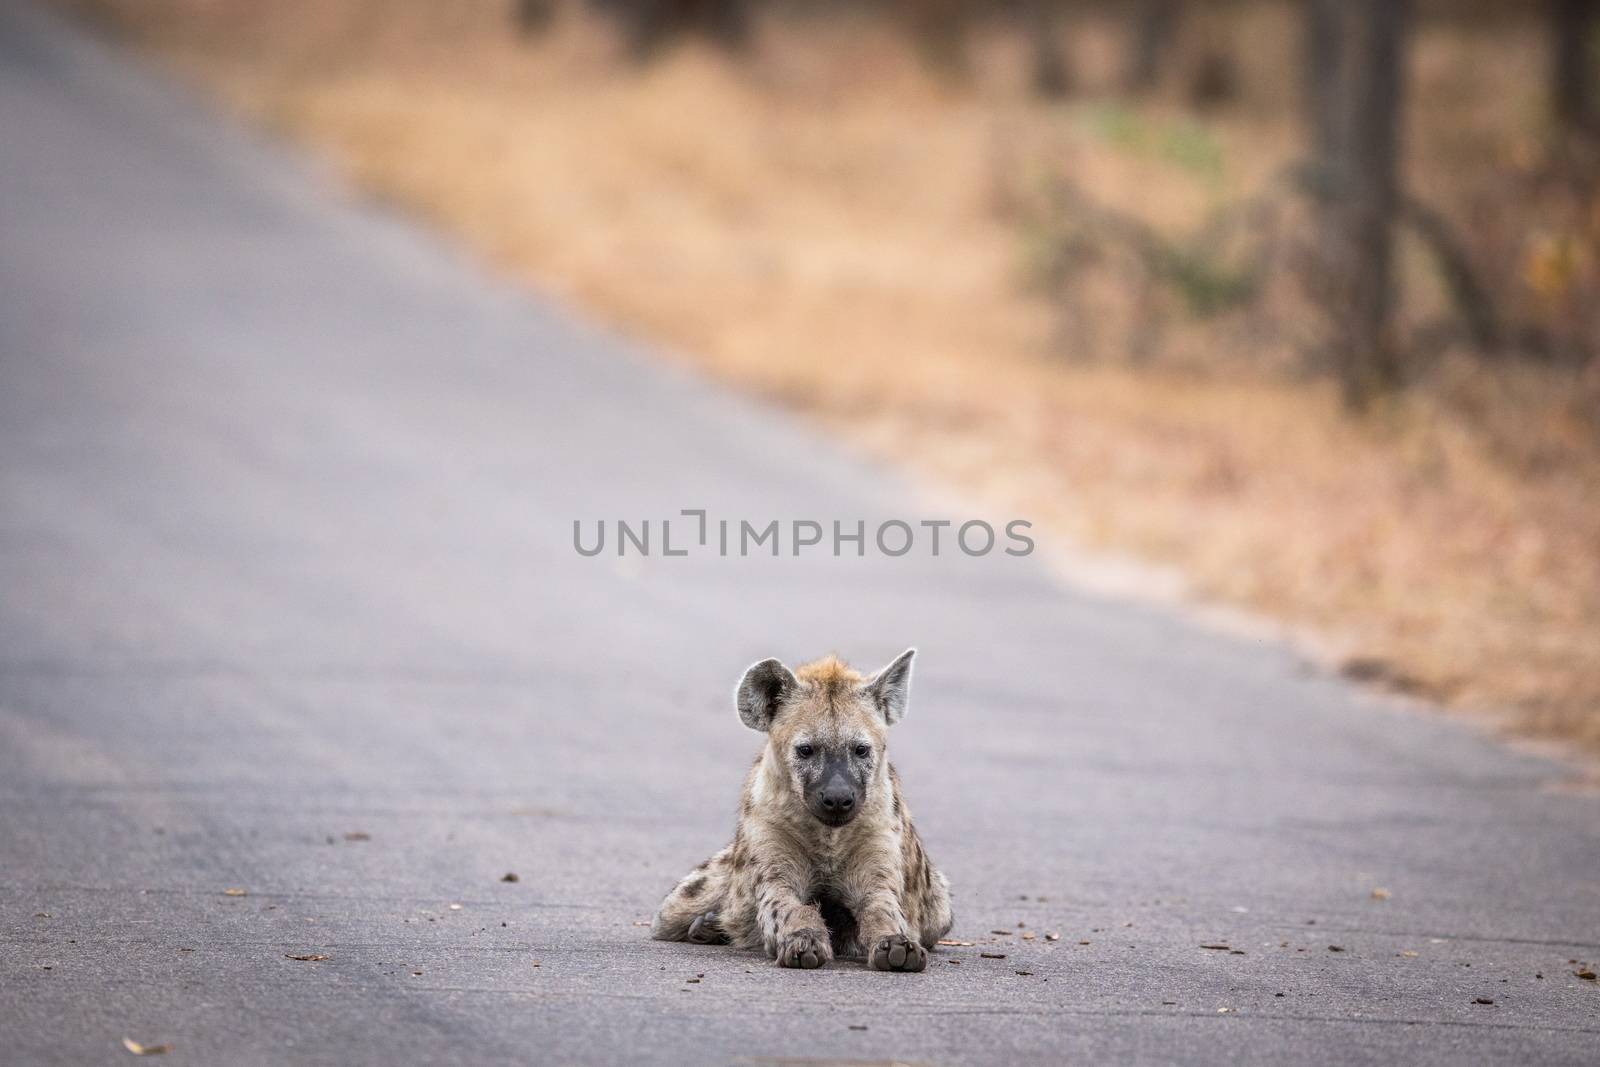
825 860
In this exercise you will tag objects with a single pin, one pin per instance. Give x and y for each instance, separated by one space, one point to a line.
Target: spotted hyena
824 861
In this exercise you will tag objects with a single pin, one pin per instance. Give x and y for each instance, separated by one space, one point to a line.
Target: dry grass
820 225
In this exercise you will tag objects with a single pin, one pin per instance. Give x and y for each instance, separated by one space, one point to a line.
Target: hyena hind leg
690 911
935 913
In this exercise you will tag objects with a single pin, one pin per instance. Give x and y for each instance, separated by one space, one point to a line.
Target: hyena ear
890 688
762 692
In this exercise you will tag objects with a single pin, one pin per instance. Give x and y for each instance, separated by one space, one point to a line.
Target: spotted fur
824 860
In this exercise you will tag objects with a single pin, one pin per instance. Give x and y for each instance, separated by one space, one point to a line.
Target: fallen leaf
1410 954
692 981
1380 894
1222 948
1226 1011
1587 976
1483 1000
358 835
1025 973
145 1050
312 958
235 892
857 1026
1027 937
1001 933
510 876
993 955
1052 937
954 943
637 922
1335 948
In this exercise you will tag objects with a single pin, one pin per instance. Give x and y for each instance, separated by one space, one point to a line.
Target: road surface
291 606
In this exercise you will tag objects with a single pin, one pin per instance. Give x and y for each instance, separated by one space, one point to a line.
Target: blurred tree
1323 61
1212 36
650 25
1051 76
1212 75
1356 71
1573 25
939 29
533 17
1155 24
1215 79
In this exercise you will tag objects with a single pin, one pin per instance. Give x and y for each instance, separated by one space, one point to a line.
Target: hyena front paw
804 948
897 953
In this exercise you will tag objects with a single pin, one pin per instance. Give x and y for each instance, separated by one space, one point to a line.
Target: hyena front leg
792 931
890 943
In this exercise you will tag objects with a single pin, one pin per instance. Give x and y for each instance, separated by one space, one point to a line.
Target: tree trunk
1051 77
1324 85
533 17
1155 23
939 30
1572 62
650 25
1358 89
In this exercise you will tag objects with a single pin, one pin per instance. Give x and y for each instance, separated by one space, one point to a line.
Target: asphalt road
289 604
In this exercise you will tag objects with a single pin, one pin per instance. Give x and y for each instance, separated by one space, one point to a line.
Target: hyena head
827 727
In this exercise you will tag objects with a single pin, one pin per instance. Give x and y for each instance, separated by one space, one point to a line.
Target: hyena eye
803 751
863 751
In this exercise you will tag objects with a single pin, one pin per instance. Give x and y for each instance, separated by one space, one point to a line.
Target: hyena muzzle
825 860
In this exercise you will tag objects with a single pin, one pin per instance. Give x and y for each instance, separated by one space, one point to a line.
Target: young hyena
824 861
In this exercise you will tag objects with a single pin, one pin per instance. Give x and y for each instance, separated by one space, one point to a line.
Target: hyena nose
841 801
